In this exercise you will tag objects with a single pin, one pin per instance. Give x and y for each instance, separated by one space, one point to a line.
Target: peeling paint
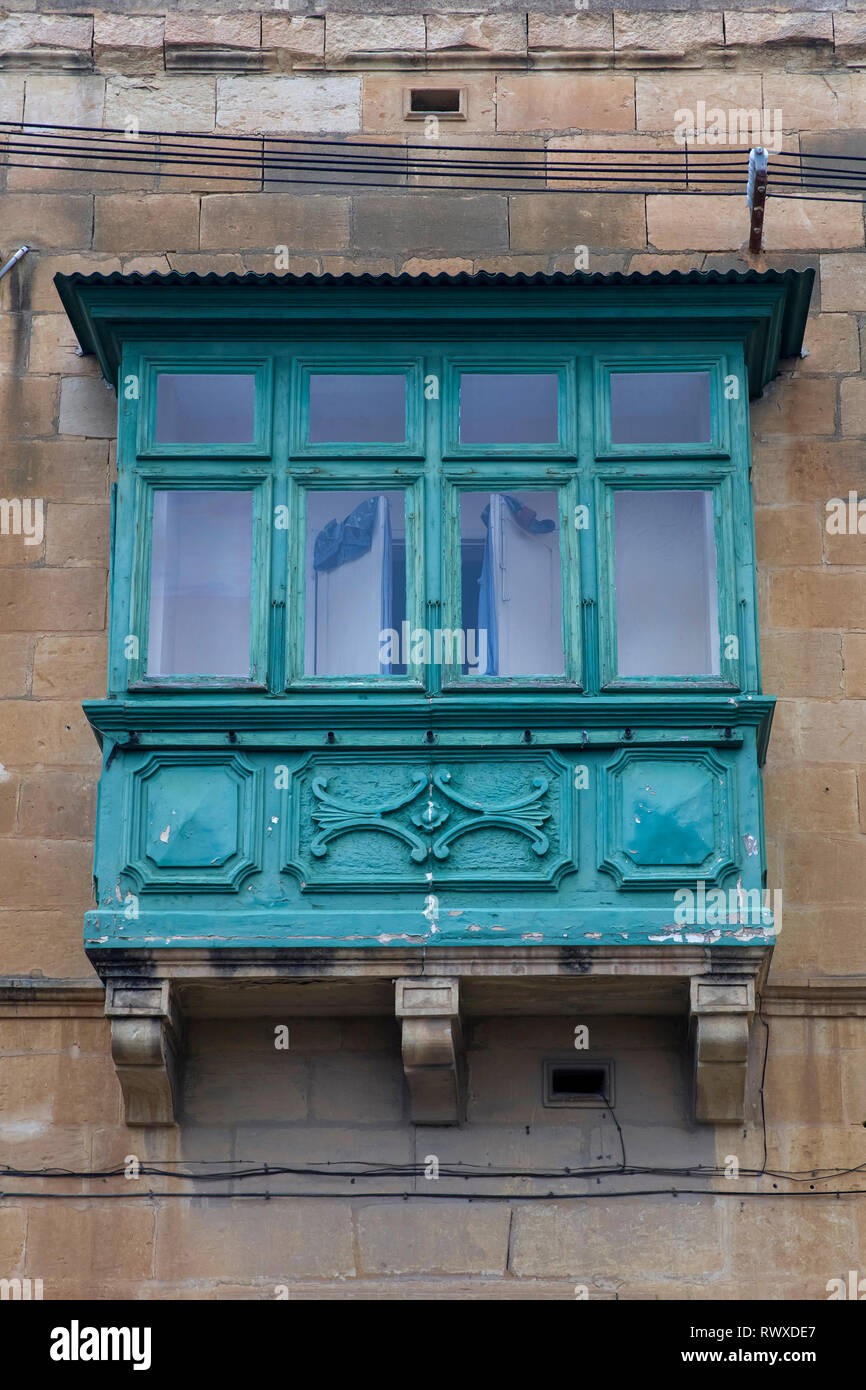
164 834
593 935
531 936
751 844
431 911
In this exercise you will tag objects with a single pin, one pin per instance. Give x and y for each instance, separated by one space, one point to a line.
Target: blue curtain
341 541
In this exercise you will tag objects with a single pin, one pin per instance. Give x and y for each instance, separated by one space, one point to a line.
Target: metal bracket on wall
147 1039
429 1011
756 197
13 260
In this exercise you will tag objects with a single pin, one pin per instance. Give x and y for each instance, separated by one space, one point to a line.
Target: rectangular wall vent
448 103
578 1083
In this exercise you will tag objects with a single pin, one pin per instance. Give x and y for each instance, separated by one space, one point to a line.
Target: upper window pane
511 584
356 584
357 408
660 408
200 583
205 408
667 604
509 408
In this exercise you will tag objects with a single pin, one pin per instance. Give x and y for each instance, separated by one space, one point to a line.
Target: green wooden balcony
433 653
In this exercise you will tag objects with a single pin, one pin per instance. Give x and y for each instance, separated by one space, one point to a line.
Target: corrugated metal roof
797 286
463 277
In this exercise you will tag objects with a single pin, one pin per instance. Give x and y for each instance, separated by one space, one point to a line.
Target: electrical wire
433 1196
359 163
763 1077
467 1171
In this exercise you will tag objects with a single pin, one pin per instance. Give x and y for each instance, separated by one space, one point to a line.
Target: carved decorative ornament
461 819
523 814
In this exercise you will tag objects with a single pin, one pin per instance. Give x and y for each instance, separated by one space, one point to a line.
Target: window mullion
432 604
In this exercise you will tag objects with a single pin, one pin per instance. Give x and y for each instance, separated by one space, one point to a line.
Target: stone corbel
432 1049
721 1016
147 1047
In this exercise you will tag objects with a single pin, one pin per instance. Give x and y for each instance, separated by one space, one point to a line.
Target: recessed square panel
193 821
205 408
509 407
357 407
666 819
660 408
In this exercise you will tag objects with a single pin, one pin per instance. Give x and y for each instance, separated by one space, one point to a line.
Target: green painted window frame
433 467
634 479
344 363
503 363
516 478
714 363
342 479
206 359
202 479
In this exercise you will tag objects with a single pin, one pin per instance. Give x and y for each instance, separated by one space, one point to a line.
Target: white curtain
352 607
527 597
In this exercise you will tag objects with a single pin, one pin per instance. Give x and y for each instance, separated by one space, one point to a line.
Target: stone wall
586 81
335 1098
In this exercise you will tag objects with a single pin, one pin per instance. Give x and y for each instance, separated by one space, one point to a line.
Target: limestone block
87 407
287 104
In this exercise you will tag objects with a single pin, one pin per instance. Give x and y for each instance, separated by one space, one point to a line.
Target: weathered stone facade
612 77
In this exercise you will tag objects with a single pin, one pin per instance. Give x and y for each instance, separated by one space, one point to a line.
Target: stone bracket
721 1017
429 1011
147 1046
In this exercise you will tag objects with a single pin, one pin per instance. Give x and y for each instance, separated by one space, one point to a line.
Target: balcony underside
149 995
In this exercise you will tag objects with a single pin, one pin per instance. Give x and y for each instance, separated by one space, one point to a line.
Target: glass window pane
205 408
660 407
667 604
356 584
511 584
509 408
357 408
200 583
